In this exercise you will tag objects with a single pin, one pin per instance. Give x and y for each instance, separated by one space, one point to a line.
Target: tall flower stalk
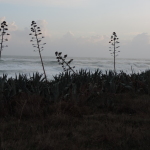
36 32
114 52
65 65
3 33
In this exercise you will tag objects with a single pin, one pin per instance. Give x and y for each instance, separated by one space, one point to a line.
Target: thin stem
68 66
114 56
2 42
40 53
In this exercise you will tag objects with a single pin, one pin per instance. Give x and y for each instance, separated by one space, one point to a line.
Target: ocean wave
23 64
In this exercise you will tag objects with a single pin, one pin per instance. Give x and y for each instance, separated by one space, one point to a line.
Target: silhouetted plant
65 65
37 32
3 30
114 52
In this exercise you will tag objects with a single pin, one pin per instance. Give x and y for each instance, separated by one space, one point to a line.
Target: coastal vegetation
75 110
114 52
36 32
65 65
3 33
83 111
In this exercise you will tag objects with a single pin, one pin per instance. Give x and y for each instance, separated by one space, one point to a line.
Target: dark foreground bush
35 125
74 86
82 88
75 111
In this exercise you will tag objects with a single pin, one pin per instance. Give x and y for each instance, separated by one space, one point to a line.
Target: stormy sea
14 65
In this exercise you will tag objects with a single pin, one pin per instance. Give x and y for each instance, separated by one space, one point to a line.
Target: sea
15 65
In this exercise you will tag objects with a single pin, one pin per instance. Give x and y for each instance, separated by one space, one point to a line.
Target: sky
79 28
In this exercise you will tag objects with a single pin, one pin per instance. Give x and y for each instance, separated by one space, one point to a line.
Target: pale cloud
94 46
43 25
84 46
138 47
103 39
98 46
133 33
20 44
2 19
19 40
141 39
11 26
68 35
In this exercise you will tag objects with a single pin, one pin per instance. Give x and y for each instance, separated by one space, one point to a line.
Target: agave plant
36 32
114 52
3 33
65 65
83 85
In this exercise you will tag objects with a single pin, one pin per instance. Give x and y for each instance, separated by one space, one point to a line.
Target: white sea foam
12 65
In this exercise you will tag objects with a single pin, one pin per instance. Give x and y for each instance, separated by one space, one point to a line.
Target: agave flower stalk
64 64
3 30
114 52
36 32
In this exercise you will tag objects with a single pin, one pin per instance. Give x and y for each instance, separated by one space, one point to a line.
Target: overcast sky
78 27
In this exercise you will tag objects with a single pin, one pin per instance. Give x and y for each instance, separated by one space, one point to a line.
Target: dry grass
70 126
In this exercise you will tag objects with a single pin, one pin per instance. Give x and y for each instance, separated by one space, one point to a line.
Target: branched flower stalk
3 33
36 32
65 65
114 52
